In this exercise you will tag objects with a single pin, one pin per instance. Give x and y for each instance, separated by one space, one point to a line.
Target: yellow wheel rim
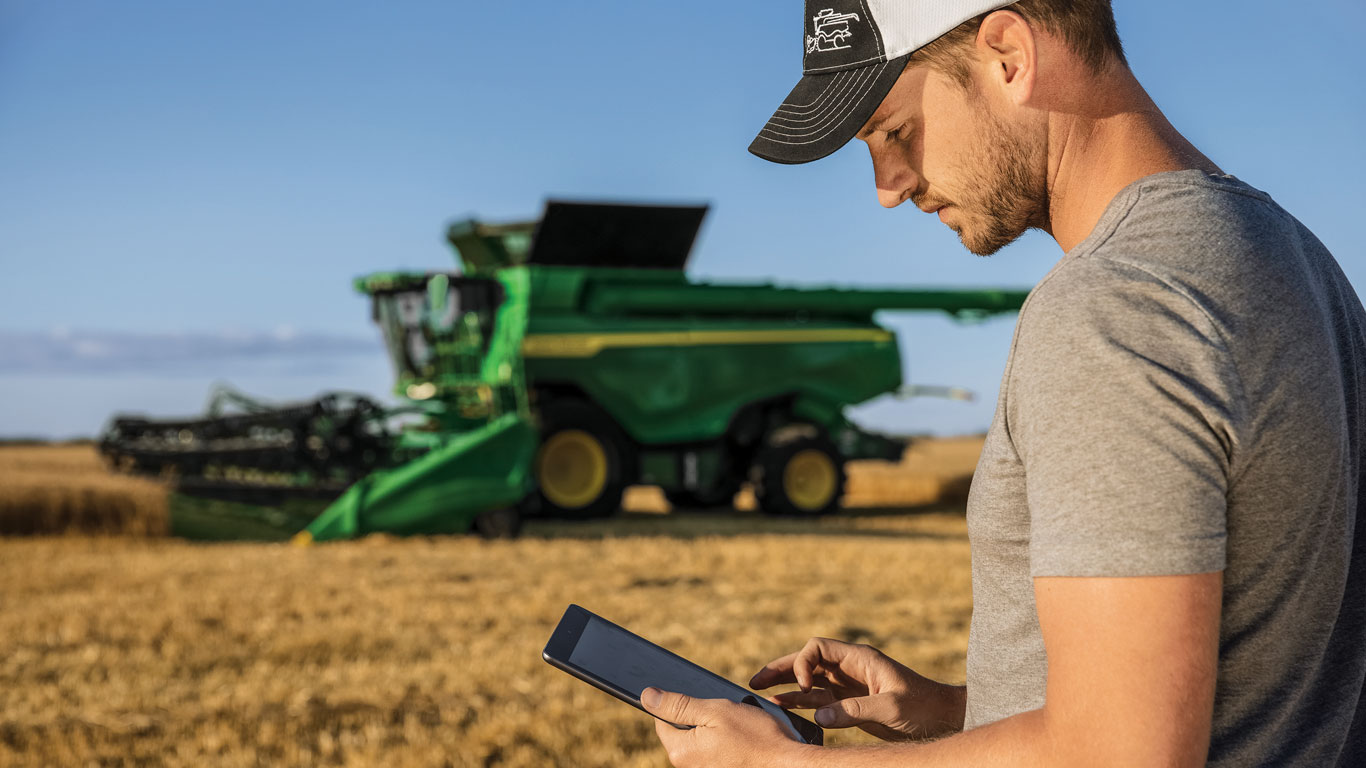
572 469
809 479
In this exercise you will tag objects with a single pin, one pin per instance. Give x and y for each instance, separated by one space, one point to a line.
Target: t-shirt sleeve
1119 405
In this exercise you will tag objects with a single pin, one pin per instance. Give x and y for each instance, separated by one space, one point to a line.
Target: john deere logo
831 31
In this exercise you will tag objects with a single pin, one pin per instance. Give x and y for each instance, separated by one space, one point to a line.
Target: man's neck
1112 135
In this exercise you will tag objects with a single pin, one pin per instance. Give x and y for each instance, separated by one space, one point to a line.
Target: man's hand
724 733
859 685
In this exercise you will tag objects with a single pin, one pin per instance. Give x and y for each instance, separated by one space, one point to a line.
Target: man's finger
817 697
677 708
805 662
839 664
880 708
798 667
810 662
775 672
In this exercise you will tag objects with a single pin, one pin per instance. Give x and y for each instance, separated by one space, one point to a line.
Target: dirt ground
147 650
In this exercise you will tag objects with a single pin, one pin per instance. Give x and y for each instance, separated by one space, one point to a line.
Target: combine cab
573 357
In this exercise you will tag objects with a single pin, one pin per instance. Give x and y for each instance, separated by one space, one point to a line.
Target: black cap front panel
824 112
840 34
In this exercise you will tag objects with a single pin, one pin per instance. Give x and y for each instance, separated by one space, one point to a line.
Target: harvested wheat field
146 650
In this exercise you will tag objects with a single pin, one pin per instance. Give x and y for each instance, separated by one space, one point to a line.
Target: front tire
581 466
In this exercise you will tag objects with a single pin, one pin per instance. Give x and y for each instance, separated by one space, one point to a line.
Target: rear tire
582 463
801 475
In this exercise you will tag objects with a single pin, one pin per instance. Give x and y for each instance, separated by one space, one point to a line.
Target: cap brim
825 111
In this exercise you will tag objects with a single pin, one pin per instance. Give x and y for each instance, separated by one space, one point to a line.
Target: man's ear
1006 50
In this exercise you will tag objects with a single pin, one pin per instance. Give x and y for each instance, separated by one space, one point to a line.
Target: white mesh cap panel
910 24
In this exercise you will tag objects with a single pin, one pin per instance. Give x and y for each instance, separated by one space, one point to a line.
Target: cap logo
832 31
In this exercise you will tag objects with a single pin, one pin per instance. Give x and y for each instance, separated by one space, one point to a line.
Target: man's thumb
671 707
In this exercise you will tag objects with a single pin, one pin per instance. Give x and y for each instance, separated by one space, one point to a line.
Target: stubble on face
1002 184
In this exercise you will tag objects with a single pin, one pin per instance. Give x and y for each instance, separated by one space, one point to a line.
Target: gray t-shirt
1184 394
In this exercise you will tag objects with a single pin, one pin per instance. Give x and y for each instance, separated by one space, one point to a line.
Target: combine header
243 449
570 358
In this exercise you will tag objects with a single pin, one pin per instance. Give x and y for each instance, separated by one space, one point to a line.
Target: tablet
623 664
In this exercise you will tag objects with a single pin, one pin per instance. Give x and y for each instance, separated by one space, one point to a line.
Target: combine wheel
581 464
802 475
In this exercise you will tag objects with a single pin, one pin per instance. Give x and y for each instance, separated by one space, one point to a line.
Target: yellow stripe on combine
590 344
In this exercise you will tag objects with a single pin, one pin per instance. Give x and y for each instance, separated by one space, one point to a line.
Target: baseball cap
854 52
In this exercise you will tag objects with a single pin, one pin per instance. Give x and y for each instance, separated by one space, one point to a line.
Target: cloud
71 351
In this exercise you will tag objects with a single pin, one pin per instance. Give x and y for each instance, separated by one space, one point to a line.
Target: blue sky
187 189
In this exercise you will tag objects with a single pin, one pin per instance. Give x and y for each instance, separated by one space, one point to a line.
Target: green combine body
569 358
573 357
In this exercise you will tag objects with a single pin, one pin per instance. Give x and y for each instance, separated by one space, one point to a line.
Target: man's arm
1132 666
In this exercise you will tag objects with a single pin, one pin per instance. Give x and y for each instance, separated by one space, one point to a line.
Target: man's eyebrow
874 125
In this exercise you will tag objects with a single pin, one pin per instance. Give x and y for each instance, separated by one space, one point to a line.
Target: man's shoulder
1194 227
1188 240
1085 294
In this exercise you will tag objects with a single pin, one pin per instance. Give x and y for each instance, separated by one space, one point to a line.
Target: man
1168 565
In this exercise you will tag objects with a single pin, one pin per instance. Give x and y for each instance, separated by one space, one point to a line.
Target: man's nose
894 179
890 198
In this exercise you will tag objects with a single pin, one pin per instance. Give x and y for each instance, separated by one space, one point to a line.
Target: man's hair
1087 26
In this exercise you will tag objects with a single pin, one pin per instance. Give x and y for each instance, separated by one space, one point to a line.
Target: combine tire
581 464
800 475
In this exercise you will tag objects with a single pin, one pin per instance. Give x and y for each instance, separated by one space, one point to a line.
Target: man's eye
898 133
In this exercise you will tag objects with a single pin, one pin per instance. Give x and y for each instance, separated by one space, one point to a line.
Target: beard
1004 187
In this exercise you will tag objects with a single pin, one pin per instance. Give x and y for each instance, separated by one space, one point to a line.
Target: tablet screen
632 665
624 664
620 659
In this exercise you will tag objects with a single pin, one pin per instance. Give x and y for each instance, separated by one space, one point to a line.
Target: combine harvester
570 358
